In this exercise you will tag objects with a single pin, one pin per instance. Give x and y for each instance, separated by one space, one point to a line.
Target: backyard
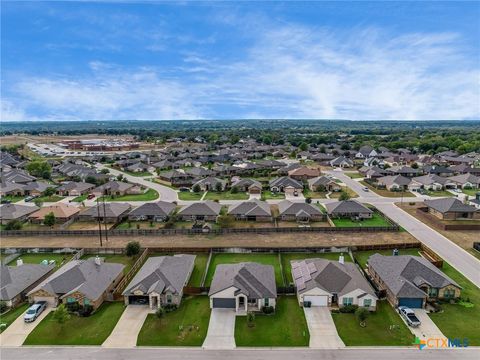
186 326
266 259
149 195
92 330
37 258
12 315
362 256
286 327
199 269
376 220
114 258
125 225
384 327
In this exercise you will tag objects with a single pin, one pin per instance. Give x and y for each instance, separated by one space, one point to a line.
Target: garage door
411 303
224 303
138 300
49 299
316 300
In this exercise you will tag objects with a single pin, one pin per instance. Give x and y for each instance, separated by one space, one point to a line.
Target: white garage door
316 300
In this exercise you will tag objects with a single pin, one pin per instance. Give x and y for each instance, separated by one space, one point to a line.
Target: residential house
10 212
465 181
86 282
253 210
243 287
36 187
73 188
17 281
366 152
303 173
405 171
117 188
301 212
109 212
251 186
394 182
429 182
210 184
451 209
160 281
323 183
61 211
322 282
286 185
203 211
342 162
410 280
348 209
157 211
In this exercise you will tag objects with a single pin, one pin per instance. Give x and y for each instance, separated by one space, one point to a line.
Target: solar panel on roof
311 267
301 285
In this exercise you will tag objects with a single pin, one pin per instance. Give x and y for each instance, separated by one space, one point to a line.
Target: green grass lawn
388 193
12 198
442 193
80 198
92 330
226 195
286 327
337 194
189 195
199 269
354 175
187 326
267 259
270 195
457 321
362 256
139 174
113 258
38 258
314 194
471 192
376 220
287 257
150 194
53 198
12 315
377 332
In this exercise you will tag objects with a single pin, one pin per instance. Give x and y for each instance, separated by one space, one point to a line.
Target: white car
34 311
409 316
366 189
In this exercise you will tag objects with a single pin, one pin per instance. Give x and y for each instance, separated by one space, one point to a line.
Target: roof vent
98 261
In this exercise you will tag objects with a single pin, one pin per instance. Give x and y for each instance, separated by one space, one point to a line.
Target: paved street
467 264
96 353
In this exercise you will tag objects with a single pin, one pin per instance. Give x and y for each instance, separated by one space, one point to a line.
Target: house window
347 301
367 302
432 292
71 300
449 293
169 299
266 302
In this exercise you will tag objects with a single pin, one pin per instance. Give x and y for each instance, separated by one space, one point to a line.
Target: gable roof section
15 279
347 207
201 208
445 205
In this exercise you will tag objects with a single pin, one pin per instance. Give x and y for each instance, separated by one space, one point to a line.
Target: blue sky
230 60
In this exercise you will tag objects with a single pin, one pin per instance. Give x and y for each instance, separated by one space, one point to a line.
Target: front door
241 303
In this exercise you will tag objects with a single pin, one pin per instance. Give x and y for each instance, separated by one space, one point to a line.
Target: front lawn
458 321
150 194
388 193
362 256
286 327
440 193
80 198
384 328
354 175
376 220
199 269
139 174
314 194
37 258
189 195
266 259
226 195
287 257
10 316
92 330
48 199
186 326
337 194
471 192
266 195
12 198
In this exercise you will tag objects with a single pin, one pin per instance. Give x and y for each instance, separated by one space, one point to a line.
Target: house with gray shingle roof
302 212
348 209
111 212
210 184
157 211
9 212
451 209
254 210
323 183
87 282
323 282
73 188
160 281
394 182
243 287
202 210
410 280
251 186
286 184
16 281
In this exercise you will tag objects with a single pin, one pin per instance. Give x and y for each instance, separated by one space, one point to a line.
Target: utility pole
99 223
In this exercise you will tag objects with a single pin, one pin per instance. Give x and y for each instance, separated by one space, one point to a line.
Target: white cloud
289 72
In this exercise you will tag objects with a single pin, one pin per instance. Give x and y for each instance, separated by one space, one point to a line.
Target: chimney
341 259
19 262
98 261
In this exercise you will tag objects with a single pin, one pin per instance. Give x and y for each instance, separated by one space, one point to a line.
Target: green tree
225 221
49 191
3 306
61 315
361 314
14 225
218 186
234 190
38 202
160 312
49 219
132 248
303 146
344 196
196 188
91 180
120 177
39 168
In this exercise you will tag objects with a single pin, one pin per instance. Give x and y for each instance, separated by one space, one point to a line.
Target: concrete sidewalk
125 333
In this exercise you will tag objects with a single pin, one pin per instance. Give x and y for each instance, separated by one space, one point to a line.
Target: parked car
409 316
90 196
34 311
184 189
29 198
366 189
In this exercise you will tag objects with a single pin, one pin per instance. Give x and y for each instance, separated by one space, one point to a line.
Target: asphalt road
97 353
464 262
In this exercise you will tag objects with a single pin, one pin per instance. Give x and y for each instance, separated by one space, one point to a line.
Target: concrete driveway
427 329
125 333
221 330
18 331
323 333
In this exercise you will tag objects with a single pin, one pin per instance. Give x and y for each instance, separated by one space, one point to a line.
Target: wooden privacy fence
128 277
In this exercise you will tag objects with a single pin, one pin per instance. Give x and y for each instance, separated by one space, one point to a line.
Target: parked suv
409 316
34 311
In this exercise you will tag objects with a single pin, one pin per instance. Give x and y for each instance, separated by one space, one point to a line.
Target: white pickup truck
409 316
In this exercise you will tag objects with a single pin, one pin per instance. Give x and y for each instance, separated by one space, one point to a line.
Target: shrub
3 307
268 310
13 225
170 307
160 312
348 309
132 248
344 196
251 319
61 314
73 306
225 221
49 219
234 190
196 188
308 200
86 310
361 314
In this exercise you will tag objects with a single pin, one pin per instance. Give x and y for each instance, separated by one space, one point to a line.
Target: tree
61 315
120 177
91 180
225 221
344 196
251 319
218 186
38 202
13 225
160 312
361 314
104 171
39 168
132 248
234 190
49 191
196 188
49 219
303 146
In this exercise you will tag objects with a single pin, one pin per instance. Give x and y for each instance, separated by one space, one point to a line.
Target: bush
73 306
361 314
225 221
234 190
268 310
49 219
14 225
251 319
160 312
3 307
196 188
344 196
308 200
170 307
132 248
348 309
86 310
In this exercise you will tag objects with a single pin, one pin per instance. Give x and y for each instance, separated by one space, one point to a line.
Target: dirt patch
231 240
